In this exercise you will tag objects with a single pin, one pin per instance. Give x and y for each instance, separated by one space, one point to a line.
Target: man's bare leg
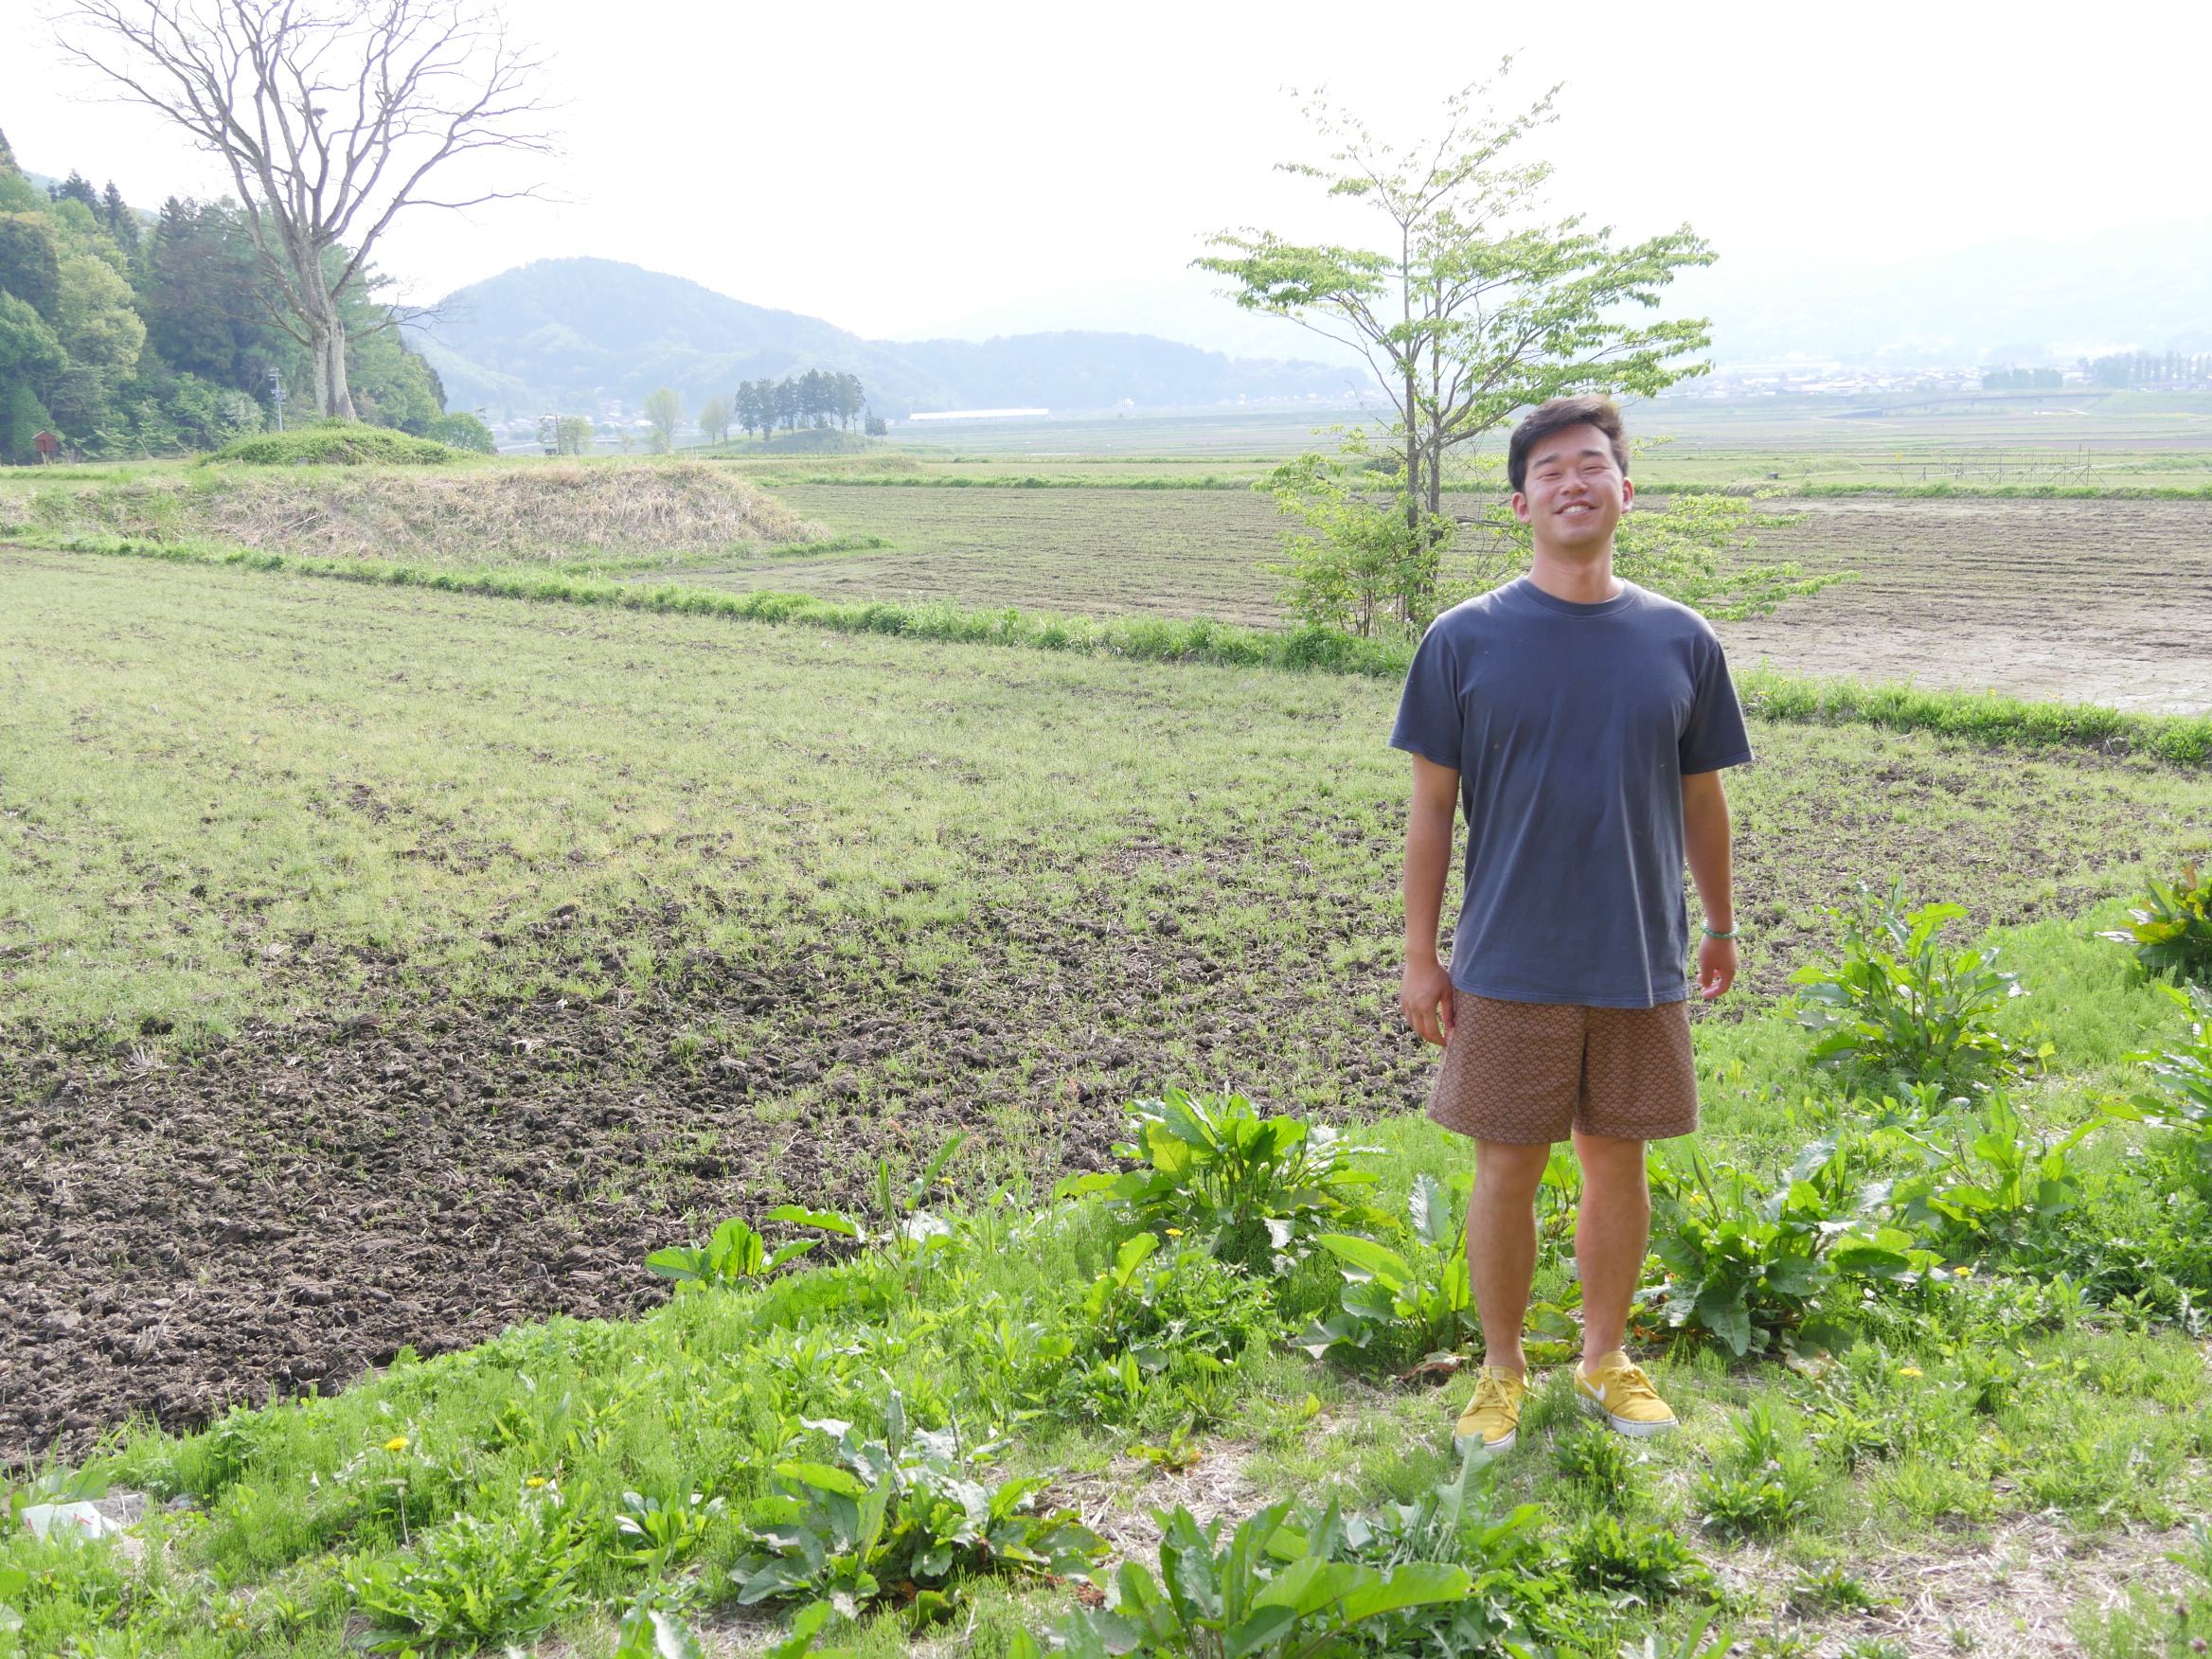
1613 1232
1501 1244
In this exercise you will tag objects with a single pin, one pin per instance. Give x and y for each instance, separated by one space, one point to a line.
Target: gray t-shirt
1571 727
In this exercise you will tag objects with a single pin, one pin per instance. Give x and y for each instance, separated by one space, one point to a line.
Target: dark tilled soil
180 1231
299 1204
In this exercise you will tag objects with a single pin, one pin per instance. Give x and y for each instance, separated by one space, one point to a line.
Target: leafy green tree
1356 562
29 349
392 385
1475 308
75 188
714 420
664 413
463 431
206 306
1357 565
22 418
754 407
31 261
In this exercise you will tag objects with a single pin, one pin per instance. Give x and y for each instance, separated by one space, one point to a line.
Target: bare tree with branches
332 116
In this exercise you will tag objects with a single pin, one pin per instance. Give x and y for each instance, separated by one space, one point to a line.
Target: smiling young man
1582 723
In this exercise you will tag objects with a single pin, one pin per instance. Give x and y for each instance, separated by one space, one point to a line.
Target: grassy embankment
206 760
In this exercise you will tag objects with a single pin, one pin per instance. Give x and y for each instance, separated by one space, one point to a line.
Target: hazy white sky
884 166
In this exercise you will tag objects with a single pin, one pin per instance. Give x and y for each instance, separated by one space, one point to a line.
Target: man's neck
1580 579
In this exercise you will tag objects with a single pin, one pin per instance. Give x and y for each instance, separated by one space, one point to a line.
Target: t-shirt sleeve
1429 716
1714 736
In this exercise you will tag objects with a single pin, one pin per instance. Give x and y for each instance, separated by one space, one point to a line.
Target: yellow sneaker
1617 1394
1492 1418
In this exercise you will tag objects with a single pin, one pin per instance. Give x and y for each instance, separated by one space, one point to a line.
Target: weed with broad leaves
1897 1001
1420 1298
2171 931
905 1515
1255 1191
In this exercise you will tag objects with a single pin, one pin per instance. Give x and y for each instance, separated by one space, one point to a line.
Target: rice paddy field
2103 601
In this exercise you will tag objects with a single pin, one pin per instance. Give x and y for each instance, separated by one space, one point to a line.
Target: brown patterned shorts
1524 1074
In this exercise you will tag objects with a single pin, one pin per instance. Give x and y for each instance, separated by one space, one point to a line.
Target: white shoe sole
1635 1431
1463 1444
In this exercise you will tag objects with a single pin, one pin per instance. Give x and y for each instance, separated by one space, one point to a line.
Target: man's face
1573 493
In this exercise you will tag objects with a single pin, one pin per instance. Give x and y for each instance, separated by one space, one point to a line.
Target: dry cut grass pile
505 514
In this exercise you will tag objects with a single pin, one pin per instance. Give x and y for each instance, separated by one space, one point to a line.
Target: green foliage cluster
905 1510
2171 927
2180 1105
463 431
1254 1191
1363 562
1271 1589
1471 310
125 338
333 444
1898 1003
815 400
1767 1483
1977 717
474 1580
1420 1296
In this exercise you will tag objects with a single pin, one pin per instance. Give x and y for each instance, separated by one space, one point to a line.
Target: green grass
409 767
204 759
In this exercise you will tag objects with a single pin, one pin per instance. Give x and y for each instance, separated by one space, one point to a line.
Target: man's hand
1716 967
1425 994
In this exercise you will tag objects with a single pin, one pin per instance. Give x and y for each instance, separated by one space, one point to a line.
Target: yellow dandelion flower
535 1480
397 1443
1964 1272
1909 1371
1174 1232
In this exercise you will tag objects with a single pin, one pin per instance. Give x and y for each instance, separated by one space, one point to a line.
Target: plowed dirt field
2105 601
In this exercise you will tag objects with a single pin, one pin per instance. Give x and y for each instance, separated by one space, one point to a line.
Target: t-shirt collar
1525 589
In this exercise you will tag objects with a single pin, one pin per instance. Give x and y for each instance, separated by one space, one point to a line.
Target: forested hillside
569 333
125 333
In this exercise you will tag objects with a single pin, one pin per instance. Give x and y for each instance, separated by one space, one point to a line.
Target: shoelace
1490 1390
1630 1382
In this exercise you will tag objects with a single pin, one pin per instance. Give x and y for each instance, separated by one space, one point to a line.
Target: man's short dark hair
1560 412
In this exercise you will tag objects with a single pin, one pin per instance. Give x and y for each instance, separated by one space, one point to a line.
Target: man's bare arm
1706 841
1425 991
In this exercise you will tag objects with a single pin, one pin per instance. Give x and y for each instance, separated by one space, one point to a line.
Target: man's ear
1521 508
1628 490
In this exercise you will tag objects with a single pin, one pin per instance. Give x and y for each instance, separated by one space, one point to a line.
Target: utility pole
276 393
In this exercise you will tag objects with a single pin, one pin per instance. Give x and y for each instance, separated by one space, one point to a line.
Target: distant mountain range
2022 300
568 334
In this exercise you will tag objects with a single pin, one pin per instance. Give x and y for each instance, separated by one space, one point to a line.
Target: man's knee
1611 1163
1507 1172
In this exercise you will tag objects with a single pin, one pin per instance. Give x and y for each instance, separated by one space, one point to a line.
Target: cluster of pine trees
124 337
820 397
